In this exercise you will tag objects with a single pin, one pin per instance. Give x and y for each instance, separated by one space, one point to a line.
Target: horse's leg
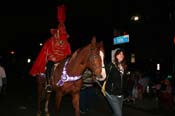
76 103
39 95
58 101
47 104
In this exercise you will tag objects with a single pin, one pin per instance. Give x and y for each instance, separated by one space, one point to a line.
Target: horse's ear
101 43
93 41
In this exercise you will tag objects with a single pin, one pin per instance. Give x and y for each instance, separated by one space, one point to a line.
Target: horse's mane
74 54
77 58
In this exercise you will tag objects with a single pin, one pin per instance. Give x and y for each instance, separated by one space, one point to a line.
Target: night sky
26 23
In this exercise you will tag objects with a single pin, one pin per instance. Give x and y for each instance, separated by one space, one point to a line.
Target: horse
66 76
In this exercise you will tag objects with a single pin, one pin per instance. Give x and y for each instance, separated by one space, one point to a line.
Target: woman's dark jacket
116 83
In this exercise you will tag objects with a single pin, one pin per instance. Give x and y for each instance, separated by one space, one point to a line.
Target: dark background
24 24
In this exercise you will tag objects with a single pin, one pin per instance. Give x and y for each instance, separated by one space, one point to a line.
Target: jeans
116 103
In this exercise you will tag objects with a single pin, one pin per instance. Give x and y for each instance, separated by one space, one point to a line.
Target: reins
104 83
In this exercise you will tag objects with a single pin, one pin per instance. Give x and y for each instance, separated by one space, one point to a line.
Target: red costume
55 48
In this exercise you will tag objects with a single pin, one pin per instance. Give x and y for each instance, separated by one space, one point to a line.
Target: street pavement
20 100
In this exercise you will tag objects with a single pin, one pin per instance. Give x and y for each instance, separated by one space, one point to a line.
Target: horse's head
90 56
95 59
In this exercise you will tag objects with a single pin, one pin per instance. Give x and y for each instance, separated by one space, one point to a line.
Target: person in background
130 86
116 82
164 94
3 80
88 92
55 49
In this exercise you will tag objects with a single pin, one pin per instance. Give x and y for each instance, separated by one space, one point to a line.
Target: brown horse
66 77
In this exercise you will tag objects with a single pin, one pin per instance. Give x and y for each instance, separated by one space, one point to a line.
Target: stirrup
48 88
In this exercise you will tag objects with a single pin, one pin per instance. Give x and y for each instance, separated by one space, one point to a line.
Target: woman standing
115 82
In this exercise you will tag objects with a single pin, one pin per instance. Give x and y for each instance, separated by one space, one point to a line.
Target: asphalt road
20 100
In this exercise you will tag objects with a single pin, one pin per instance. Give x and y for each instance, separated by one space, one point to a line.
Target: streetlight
28 60
135 18
41 44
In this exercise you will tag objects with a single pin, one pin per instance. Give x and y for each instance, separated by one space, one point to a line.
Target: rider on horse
55 49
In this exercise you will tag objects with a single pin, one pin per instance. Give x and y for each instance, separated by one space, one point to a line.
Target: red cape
60 52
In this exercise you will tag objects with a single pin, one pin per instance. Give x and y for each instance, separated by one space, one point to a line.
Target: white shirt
2 74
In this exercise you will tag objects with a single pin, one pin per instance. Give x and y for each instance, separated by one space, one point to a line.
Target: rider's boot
48 88
48 76
48 85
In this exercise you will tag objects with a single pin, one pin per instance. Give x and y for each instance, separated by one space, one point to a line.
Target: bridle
92 58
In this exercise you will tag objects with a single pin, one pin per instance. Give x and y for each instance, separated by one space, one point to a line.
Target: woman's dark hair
118 50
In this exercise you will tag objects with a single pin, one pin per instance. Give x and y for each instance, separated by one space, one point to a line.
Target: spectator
3 80
165 95
87 93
